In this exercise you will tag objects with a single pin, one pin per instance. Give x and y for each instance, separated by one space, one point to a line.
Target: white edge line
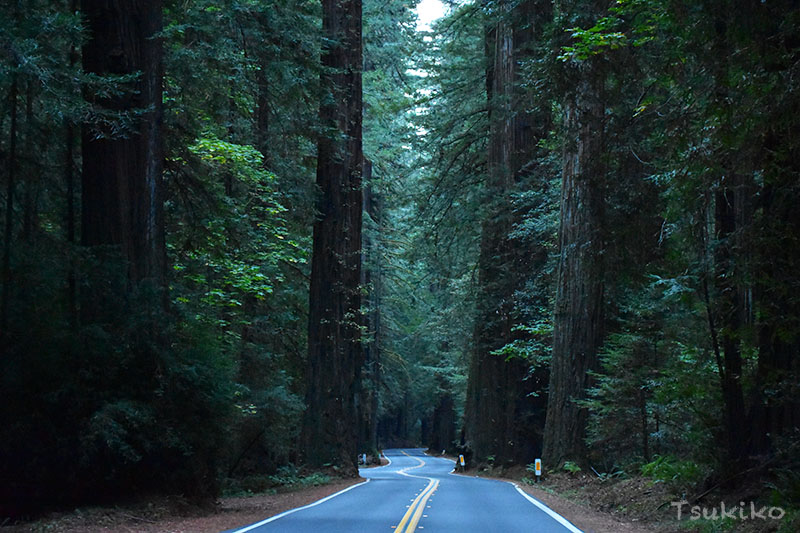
377 467
290 511
387 464
554 515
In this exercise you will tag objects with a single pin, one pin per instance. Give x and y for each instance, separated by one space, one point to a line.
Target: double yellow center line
417 507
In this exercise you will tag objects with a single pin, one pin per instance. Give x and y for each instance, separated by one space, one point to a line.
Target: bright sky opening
429 11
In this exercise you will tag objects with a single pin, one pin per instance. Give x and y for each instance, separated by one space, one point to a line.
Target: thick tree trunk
578 327
31 185
494 412
69 179
9 222
443 424
121 180
729 258
730 305
775 405
335 354
372 280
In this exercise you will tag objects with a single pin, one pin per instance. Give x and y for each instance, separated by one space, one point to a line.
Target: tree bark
121 178
69 179
774 409
335 354
578 327
30 184
729 290
10 190
729 256
497 401
372 280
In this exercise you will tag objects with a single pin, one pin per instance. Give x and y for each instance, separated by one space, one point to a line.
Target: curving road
418 492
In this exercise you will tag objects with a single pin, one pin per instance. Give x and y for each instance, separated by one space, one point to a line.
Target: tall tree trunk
578 327
69 179
775 406
443 423
121 179
31 174
262 115
730 304
493 418
372 280
484 423
335 354
729 260
10 189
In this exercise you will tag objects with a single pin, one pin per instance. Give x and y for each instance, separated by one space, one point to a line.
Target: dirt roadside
171 515
590 520
174 515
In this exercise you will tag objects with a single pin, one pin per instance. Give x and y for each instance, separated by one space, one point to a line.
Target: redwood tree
499 404
335 354
578 317
122 157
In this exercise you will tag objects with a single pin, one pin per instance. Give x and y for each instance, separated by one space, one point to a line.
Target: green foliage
571 467
289 475
593 40
241 82
784 485
790 522
666 468
115 395
628 23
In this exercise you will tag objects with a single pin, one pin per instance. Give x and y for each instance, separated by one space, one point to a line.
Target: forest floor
174 515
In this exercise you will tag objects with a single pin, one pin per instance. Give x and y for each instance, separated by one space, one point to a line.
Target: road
418 492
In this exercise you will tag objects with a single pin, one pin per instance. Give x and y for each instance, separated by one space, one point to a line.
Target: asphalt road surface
417 492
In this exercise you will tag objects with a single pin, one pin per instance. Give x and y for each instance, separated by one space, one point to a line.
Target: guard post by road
461 462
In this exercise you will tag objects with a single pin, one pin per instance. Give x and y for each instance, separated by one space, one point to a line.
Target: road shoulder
580 513
585 518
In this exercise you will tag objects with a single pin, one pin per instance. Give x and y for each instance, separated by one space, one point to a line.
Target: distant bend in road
418 492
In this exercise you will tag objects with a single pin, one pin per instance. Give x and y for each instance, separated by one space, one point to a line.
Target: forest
246 237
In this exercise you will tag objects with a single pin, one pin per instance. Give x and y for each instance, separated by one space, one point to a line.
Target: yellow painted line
414 512
412 525
423 496
421 463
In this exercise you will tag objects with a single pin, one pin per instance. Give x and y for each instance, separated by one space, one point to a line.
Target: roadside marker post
537 469
461 462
